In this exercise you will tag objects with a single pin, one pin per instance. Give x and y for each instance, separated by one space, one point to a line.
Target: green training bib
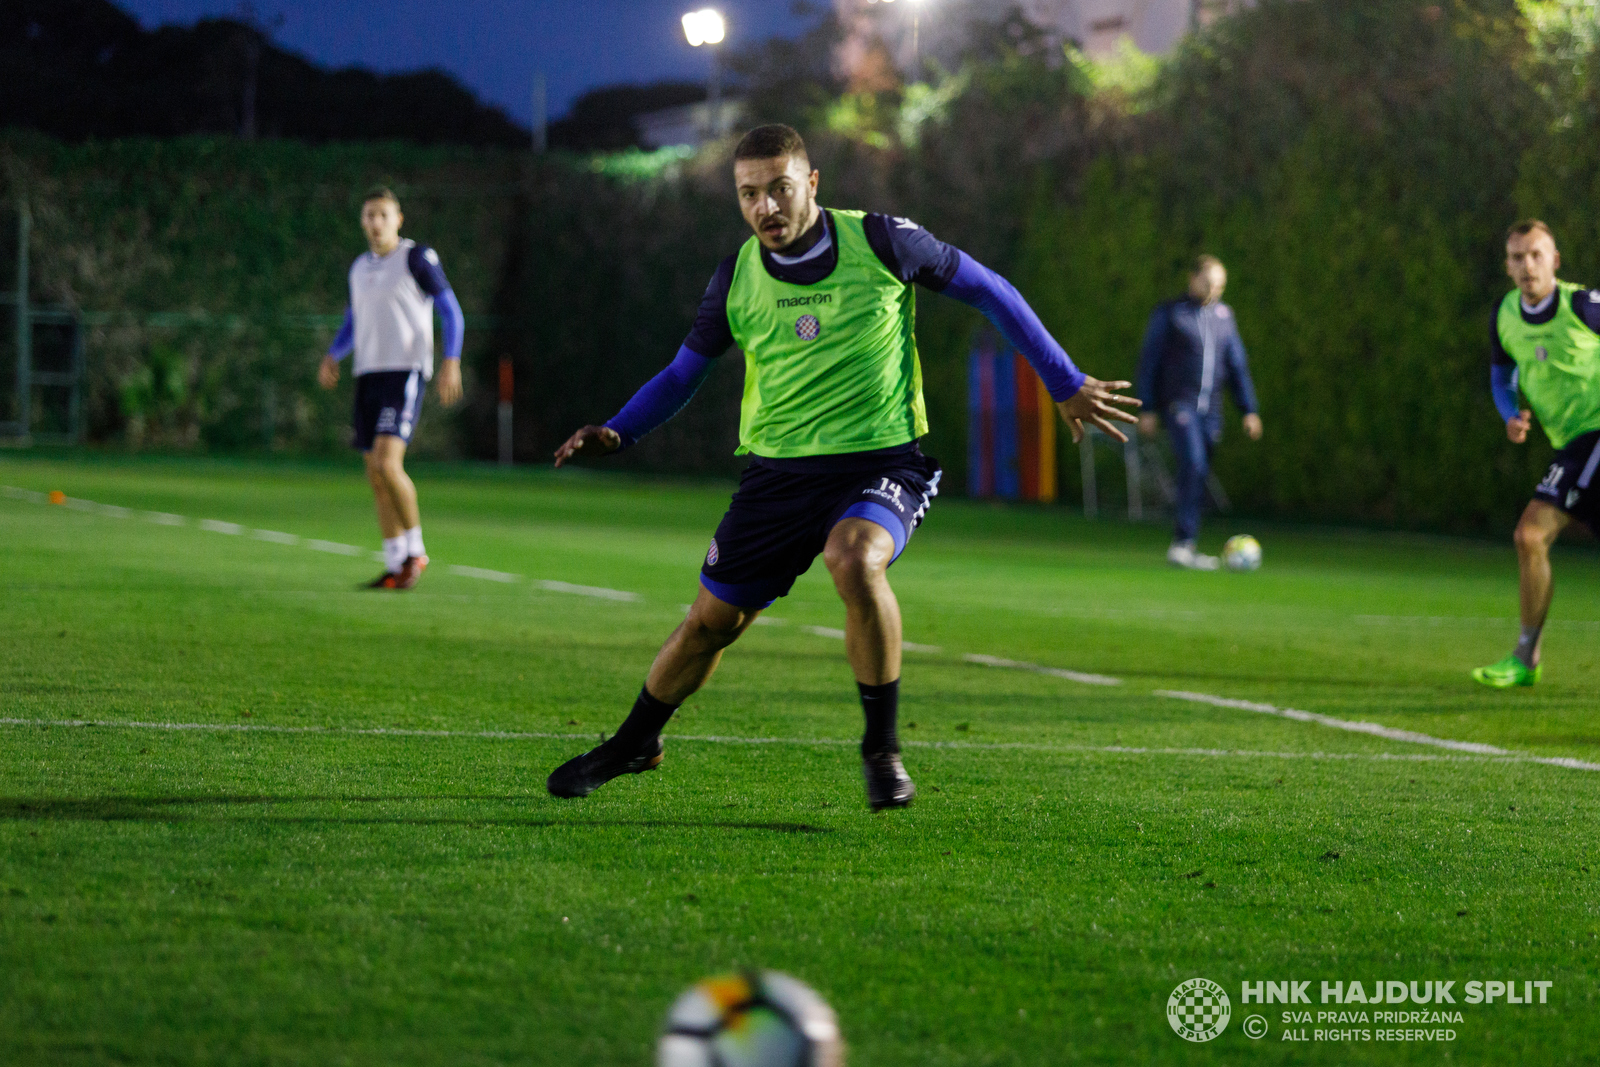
830 367
1558 365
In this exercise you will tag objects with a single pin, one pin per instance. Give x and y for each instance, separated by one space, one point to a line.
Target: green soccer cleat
1509 672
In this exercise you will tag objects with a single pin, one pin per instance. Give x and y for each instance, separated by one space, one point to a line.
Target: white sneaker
1183 554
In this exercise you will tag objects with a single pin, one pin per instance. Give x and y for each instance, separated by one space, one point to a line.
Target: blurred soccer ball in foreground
750 1020
1242 553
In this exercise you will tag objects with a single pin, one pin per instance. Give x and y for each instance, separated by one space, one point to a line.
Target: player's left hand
589 441
1252 426
1093 403
450 383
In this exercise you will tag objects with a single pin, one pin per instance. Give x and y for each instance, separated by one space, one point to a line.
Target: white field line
1466 620
1388 733
334 547
589 590
1080 677
486 575
1055 672
808 742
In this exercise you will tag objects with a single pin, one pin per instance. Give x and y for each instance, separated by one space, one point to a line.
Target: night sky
496 46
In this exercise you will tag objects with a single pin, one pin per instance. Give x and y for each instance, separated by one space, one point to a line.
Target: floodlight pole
916 41
24 323
541 112
715 94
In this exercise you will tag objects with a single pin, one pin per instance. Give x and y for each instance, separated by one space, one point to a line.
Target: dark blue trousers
1193 437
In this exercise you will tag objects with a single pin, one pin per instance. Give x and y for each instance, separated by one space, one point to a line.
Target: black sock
881 703
1528 645
645 721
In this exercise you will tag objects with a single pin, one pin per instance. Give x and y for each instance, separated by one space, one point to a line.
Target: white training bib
393 316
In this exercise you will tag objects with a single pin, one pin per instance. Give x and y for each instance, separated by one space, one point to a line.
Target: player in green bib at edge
1545 344
821 303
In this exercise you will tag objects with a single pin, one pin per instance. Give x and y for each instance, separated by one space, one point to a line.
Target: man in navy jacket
1191 350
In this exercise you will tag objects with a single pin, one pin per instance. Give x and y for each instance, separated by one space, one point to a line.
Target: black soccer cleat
582 775
888 784
386 580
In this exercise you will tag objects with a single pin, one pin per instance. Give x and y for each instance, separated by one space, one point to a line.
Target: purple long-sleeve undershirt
662 396
344 342
452 322
977 286
1503 384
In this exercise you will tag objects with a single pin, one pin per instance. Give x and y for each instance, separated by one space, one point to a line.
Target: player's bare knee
1533 538
715 629
857 559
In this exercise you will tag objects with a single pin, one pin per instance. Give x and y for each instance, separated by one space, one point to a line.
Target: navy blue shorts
387 402
1573 481
779 520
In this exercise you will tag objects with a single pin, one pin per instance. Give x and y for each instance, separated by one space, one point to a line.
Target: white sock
394 553
413 540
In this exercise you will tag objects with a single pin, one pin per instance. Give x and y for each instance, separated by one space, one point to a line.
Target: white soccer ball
1242 553
761 1019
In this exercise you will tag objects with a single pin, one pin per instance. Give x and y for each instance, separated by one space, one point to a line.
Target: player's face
1207 285
380 221
778 198
1532 262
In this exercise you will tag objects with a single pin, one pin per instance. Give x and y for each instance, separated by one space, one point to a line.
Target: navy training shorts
387 402
779 521
1573 481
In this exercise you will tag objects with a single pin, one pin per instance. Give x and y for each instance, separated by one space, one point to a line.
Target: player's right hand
589 441
1517 428
328 373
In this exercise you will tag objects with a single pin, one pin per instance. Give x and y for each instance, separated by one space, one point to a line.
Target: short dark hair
380 192
770 142
1527 226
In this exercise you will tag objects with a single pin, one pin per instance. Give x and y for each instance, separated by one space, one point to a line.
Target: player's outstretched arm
660 398
1079 397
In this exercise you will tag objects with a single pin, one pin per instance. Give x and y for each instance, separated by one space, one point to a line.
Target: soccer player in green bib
821 303
1545 344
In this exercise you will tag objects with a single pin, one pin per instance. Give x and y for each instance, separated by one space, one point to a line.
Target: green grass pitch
391 885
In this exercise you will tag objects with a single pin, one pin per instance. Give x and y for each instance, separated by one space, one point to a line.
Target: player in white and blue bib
395 288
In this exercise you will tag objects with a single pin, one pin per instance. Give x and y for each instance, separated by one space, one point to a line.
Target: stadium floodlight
704 27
